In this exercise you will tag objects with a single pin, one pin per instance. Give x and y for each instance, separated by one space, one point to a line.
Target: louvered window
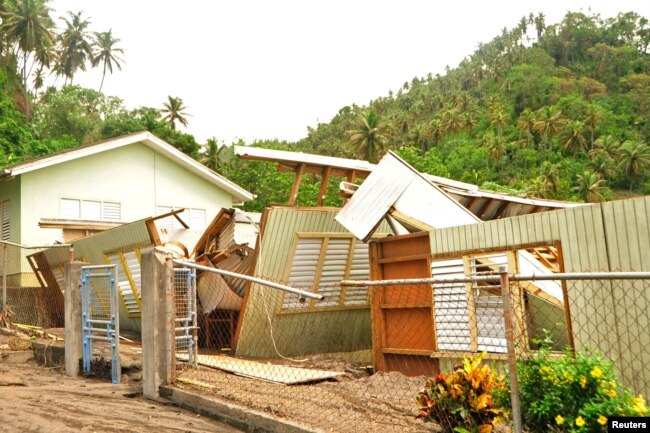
319 264
90 210
6 221
112 211
468 316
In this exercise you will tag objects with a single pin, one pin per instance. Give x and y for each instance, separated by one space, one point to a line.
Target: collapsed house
394 199
314 249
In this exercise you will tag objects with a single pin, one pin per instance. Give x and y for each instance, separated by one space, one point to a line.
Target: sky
268 69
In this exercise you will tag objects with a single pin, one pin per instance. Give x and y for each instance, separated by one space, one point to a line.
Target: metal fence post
510 338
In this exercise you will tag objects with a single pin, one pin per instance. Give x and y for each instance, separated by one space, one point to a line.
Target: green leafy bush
463 400
572 393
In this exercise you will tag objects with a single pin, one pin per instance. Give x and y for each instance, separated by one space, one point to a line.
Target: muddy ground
40 399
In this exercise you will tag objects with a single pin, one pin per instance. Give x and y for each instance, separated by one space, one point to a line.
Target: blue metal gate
100 316
185 319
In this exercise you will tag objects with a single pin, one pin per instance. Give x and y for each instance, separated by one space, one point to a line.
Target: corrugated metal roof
395 184
477 200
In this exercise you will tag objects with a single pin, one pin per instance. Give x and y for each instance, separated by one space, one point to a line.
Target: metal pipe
405 281
583 276
495 278
510 338
252 279
13 244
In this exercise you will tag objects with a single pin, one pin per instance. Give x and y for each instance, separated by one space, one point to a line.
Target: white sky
264 69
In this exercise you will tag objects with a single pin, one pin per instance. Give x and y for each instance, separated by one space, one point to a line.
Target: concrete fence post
157 321
73 331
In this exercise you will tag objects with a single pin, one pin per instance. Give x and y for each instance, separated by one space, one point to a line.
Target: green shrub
572 393
463 400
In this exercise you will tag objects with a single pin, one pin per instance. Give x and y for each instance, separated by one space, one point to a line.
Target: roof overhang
238 193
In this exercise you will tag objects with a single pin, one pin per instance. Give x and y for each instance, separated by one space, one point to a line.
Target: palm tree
39 78
452 121
574 139
634 160
607 146
174 111
75 46
525 123
549 122
106 52
368 138
27 24
210 155
590 187
435 130
593 117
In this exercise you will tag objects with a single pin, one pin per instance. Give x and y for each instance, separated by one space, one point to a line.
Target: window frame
311 305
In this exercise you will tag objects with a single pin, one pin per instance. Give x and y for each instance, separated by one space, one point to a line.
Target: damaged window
194 218
319 264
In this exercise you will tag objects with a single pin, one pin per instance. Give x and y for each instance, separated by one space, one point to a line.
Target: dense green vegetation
555 111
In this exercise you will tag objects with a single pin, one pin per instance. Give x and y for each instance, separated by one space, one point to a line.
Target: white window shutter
70 209
91 210
6 221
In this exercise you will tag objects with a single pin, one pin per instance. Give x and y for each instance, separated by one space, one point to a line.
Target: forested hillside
543 110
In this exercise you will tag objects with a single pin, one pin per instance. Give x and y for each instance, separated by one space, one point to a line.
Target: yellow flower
638 405
559 420
596 372
583 381
567 376
602 420
611 393
580 421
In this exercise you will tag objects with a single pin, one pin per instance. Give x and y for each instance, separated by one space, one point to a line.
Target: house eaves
238 193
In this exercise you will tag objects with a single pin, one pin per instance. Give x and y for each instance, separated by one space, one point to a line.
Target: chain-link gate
100 317
185 318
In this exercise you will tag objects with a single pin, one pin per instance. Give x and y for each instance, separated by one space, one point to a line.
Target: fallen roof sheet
264 371
395 185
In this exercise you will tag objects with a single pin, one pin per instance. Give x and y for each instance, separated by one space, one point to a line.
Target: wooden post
300 170
323 185
512 361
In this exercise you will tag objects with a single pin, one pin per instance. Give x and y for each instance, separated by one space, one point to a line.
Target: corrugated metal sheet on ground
268 372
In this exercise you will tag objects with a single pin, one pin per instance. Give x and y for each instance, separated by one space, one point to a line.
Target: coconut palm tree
105 51
174 111
593 116
606 145
525 123
573 138
549 123
210 155
634 160
368 139
75 45
590 187
28 25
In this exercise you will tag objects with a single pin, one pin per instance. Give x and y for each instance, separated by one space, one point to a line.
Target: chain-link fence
332 366
26 295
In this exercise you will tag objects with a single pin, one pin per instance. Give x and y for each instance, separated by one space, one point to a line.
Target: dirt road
39 399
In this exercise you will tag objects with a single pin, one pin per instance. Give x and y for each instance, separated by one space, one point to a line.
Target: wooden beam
324 183
352 175
300 170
